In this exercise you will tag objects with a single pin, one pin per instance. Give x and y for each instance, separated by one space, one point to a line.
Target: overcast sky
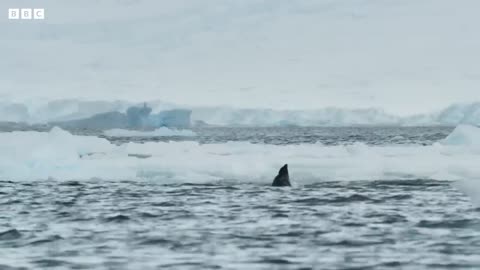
406 56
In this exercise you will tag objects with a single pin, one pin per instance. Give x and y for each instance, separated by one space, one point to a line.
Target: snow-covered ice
163 131
58 154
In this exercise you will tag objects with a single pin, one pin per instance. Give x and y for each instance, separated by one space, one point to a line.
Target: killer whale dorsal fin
283 170
282 179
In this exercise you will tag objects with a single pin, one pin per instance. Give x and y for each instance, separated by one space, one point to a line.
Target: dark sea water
131 224
298 135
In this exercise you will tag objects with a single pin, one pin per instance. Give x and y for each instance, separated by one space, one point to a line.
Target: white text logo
26 13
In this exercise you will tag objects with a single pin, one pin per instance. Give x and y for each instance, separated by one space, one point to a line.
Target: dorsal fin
282 179
283 170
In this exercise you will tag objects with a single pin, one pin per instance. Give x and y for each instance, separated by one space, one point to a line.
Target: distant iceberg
451 116
138 118
268 117
61 110
178 118
163 131
105 115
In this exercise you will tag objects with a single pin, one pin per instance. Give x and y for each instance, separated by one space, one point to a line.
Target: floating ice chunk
463 135
471 188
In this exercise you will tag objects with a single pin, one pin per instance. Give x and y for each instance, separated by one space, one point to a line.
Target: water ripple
338 225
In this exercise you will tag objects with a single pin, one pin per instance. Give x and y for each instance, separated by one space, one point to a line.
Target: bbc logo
26 13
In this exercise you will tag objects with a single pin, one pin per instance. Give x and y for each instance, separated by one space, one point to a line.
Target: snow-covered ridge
67 110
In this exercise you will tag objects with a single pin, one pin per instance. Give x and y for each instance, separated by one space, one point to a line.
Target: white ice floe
60 155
